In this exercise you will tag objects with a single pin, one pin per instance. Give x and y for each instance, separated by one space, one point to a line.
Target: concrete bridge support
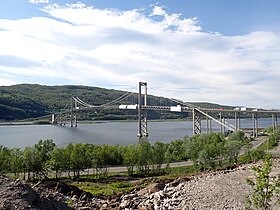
208 124
207 120
58 119
237 121
255 124
222 122
274 123
54 118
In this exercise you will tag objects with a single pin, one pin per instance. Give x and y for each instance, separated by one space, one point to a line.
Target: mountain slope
24 101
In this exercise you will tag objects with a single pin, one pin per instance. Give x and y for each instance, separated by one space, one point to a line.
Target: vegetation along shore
87 166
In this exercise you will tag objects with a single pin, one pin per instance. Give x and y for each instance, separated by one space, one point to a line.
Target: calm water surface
111 133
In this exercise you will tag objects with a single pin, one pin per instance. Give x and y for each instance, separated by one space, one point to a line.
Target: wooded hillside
24 101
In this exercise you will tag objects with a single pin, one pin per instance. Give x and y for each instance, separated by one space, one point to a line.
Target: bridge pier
54 119
58 119
255 124
221 121
274 123
208 124
237 121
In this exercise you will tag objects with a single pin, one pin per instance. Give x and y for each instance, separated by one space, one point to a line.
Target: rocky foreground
216 190
15 195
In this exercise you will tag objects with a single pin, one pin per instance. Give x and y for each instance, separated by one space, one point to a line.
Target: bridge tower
196 122
142 113
73 114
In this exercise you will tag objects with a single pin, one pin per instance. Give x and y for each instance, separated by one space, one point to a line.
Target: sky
219 51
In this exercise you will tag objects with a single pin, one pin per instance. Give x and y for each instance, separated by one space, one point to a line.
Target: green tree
78 159
265 187
236 136
28 162
207 156
68 159
192 148
17 163
130 158
115 155
101 159
144 155
158 155
273 139
42 151
5 159
232 149
58 161
176 150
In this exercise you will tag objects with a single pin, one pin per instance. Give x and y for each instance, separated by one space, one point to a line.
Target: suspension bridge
142 107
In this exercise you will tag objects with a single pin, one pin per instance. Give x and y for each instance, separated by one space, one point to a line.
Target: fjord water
110 132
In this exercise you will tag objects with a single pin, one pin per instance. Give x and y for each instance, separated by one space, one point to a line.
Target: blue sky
218 51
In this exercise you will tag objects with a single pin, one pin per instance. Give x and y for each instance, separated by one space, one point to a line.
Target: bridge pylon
73 114
142 113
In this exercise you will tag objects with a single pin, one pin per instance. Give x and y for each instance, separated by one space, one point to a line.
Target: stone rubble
223 190
211 191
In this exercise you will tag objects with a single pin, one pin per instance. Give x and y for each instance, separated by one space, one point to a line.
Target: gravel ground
217 190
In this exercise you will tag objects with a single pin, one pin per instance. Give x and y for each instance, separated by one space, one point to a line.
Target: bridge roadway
78 105
176 109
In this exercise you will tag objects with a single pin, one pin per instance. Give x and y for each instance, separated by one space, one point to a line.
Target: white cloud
90 46
6 82
158 10
39 1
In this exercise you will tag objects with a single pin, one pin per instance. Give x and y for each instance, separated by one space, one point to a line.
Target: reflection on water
111 133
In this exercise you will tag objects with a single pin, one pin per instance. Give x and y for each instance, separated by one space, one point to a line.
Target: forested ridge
24 101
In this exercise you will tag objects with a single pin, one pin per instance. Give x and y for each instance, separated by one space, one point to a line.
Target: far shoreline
19 123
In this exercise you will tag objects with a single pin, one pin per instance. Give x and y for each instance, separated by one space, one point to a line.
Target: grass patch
183 170
104 188
69 202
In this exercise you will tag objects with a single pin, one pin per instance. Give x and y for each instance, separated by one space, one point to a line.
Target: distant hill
25 101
